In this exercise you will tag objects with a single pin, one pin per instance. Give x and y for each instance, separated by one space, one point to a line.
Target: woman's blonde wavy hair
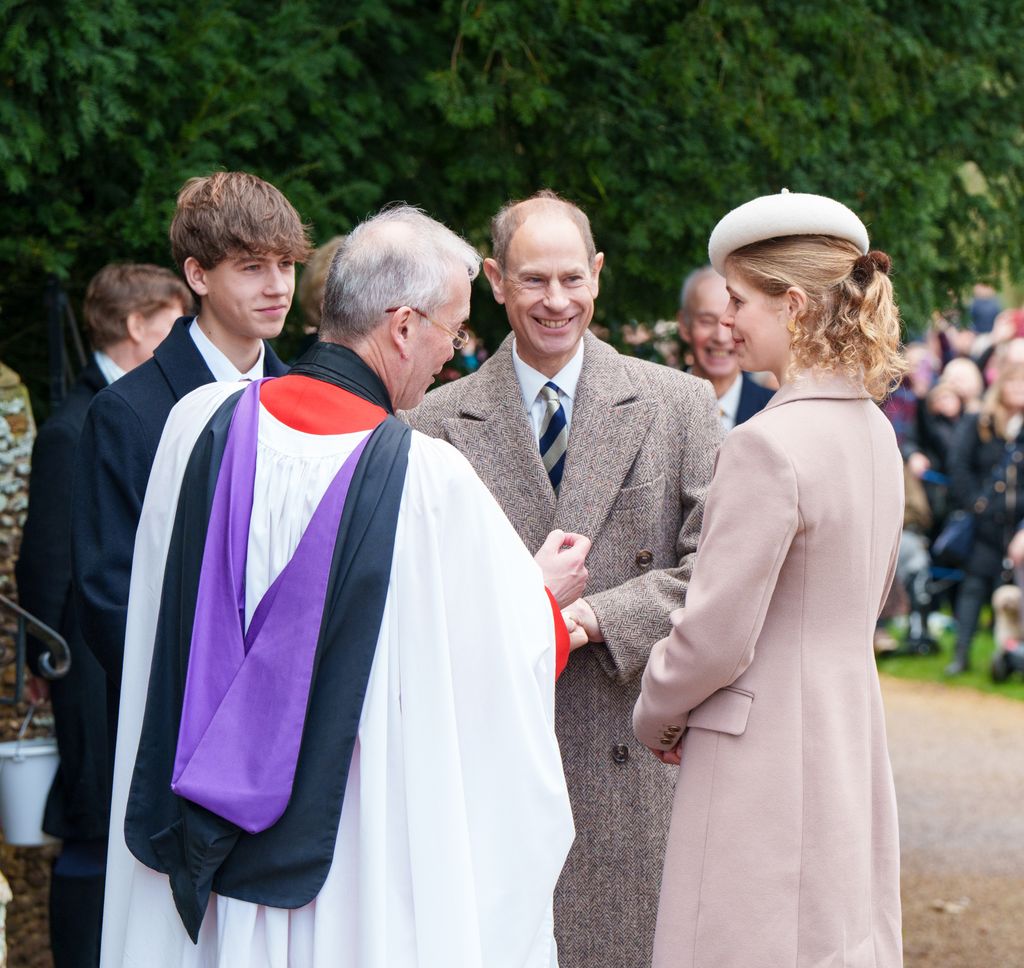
851 322
994 417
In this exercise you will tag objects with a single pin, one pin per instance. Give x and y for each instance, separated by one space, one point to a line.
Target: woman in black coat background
987 476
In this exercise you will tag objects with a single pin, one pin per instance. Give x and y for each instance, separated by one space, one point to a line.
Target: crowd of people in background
958 417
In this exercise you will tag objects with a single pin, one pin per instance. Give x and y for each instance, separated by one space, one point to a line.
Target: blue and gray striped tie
554 435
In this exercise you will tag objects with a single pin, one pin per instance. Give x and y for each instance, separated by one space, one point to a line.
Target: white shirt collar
531 380
110 370
220 366
729 403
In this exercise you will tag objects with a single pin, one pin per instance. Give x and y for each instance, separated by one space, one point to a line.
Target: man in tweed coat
641 441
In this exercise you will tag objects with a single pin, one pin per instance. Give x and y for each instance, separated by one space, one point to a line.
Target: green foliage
657 117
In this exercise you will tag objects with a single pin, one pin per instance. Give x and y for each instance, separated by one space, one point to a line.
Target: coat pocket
641 497
725 711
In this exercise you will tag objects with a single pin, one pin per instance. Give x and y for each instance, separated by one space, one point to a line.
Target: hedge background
657 116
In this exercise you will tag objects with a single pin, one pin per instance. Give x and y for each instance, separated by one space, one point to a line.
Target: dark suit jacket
753 398
78 806
115 455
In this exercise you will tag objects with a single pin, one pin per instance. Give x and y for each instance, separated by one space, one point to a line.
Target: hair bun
867 265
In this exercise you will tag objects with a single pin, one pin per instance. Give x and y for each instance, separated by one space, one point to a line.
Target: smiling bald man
567 433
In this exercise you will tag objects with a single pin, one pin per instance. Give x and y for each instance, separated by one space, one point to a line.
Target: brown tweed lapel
610 420
493 431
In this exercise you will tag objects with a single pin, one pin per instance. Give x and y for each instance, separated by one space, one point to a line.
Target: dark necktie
554 435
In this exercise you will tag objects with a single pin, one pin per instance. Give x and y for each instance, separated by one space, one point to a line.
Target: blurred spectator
937 422
473 353
311 284
128 310
702 303
922 368
901 409
965 378
310 289
985 306
984 464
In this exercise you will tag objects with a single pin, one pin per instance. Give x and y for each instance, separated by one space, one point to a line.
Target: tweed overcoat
642 444
784 849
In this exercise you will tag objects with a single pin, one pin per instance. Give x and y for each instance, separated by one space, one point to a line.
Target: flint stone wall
25 869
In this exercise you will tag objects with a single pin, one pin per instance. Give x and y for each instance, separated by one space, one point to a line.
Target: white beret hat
788 213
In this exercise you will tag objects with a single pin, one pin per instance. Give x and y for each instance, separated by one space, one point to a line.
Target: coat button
999 487
644 558
620 752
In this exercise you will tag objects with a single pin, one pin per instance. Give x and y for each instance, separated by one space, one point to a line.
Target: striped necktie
554 434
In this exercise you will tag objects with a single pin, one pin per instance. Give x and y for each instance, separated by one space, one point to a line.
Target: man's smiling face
548 289
714 353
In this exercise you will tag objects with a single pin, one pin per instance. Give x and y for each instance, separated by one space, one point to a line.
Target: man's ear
494 276
683 326
195 276
400 326
135 324
595 270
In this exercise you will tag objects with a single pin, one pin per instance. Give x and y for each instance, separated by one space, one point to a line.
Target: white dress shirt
110 370
729 403
220 366
531 380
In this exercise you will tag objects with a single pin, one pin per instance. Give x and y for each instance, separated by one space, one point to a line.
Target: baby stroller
1008 633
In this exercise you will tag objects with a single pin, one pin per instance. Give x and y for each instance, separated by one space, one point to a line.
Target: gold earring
791 325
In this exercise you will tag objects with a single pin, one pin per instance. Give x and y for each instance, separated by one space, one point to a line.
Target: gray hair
399 257
690 283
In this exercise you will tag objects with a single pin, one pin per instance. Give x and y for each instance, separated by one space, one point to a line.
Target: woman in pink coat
783 850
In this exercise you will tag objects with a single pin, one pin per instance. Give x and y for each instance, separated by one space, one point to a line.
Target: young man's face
244 296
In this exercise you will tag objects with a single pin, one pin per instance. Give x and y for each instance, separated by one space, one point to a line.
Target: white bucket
27 769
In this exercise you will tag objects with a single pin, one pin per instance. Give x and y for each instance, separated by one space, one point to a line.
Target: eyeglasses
459 338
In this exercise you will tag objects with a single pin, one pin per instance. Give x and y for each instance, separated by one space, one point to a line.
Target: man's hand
1015 550
561 559
583 615
577 633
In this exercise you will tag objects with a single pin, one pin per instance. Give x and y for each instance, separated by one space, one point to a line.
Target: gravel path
958 759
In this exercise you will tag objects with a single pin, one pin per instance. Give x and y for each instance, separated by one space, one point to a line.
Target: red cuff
561 637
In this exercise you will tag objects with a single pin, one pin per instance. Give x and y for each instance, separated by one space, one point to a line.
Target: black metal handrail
60 320
53 664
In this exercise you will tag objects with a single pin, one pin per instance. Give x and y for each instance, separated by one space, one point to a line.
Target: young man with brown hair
236 239
128 310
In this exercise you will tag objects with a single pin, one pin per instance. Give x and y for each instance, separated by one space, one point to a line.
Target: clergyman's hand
583 615
561 559
577 633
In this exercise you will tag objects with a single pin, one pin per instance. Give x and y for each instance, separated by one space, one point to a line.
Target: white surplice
456 819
